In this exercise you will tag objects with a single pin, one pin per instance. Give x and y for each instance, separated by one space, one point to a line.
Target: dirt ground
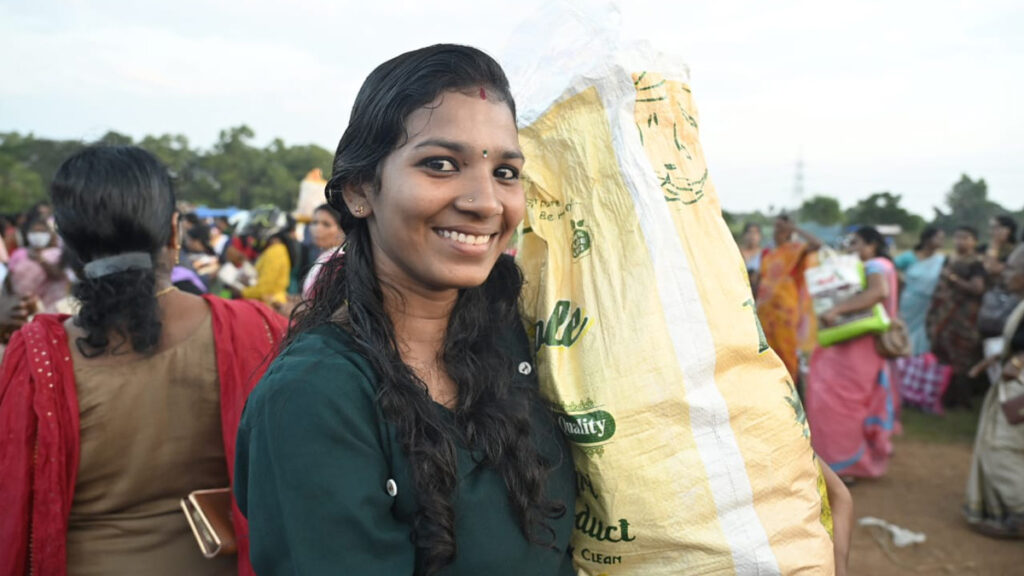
923 492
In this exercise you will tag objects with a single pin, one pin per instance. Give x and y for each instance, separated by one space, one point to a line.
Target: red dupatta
39 428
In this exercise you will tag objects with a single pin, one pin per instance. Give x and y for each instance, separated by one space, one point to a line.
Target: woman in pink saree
35 269
850 401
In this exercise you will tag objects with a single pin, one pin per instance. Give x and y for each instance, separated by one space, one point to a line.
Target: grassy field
953 427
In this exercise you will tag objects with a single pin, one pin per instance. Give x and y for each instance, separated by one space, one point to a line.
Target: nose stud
485 153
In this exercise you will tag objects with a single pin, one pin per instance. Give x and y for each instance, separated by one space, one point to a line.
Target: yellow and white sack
691 446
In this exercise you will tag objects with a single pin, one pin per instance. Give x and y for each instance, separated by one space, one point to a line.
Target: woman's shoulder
46 333
905 259
277 249
879 265
321 364
328 254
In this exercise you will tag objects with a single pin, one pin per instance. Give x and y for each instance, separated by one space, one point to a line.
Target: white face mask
39 239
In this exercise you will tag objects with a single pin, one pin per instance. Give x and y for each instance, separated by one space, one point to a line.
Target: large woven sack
691 445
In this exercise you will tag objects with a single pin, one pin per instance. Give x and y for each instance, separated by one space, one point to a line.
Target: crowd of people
135 288
962 312
135 382
265 255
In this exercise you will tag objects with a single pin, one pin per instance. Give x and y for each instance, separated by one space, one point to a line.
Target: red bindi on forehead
483 93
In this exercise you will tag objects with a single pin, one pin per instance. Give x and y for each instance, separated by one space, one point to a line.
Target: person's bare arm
990 260
980 367
53 271
813 242
1013 367
14 312
875 293
841 501
974 286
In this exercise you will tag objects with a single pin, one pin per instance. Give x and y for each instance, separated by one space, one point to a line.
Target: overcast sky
899 95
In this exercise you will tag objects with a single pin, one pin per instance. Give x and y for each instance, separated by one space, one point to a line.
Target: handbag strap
1001 392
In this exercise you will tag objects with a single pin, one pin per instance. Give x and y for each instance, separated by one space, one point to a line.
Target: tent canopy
205 212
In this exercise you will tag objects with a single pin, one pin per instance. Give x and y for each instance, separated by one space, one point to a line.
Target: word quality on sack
691 446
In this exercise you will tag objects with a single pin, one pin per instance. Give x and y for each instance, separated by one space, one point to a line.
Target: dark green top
315 460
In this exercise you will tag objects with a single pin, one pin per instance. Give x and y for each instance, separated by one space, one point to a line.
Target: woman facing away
995 487
400 431
919 269
328 238
952 320
783 305
111 416
849 399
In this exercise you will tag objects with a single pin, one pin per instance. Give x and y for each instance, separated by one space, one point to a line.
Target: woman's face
39 235
783 231
937 240
1000 233
965 242
864 250
752 237
450 197
325 230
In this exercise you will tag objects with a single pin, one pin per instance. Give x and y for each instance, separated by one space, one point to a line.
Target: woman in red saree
783 304
110 416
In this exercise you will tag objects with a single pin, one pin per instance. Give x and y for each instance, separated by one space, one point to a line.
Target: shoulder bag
996 306
894 342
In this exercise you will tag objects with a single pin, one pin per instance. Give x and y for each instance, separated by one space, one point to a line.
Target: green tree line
965 203
233 172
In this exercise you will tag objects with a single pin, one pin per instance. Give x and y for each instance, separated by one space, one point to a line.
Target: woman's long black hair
926 236
330 211
109 200
492 414
871 235
1007 221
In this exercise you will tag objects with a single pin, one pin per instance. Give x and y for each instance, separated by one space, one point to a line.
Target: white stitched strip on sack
691 339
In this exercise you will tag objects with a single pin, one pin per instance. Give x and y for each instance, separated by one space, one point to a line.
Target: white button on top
392 487
525 368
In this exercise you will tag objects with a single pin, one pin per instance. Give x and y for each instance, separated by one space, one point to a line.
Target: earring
359 210
177 255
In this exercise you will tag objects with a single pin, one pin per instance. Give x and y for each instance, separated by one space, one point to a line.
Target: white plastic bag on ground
901 537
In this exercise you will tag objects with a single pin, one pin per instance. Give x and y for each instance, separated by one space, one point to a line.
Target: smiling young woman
442 210
400 430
